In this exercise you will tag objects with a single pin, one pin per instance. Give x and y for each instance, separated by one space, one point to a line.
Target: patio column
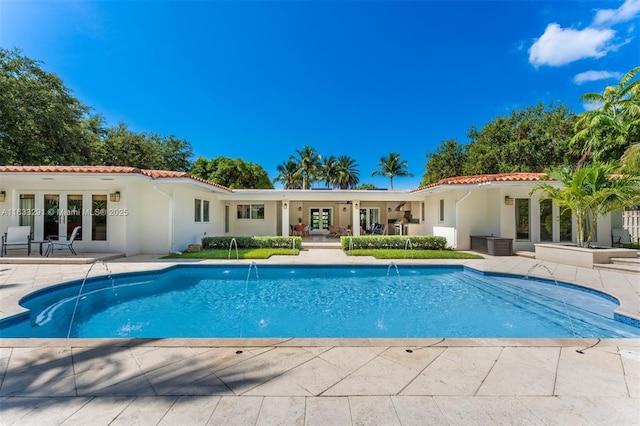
355 218
286 205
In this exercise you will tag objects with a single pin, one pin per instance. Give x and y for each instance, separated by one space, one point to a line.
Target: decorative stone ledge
580 256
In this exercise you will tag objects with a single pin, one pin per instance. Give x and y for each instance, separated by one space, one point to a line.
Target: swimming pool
316 301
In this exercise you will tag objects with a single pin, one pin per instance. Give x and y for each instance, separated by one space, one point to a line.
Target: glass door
320 219
368 218
62 213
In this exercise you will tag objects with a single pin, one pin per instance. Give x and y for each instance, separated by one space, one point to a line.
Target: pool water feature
228 301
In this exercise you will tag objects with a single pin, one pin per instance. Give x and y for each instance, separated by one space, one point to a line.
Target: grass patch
251 253
413 254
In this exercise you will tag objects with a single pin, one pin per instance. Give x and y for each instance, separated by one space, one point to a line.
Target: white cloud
560 46
607 17
587 76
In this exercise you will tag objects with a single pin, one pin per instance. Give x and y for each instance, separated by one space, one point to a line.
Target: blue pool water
317 301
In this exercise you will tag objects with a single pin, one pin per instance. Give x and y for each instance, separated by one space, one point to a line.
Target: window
99 217
566 225
522 219
201 210
227 215
27 210
250 211
197 209
441 213
546 220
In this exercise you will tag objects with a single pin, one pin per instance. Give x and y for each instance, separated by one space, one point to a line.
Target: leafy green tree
529 140
391 166
232 173
614 126
309 162
590 192
40 121
365 186
288 175
174 153
123 147
447 161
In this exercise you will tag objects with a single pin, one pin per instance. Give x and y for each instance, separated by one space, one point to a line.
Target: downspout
171 227
458 215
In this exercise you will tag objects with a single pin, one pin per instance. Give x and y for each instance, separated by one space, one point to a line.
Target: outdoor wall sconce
389 209
355 205
508 201
344 209
284 206
115 197
3 196
300 208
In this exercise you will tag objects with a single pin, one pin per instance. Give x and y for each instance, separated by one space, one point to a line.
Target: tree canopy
232 173
529 140
42 123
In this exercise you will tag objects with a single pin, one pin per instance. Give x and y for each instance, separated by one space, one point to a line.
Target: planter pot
193 248
579 256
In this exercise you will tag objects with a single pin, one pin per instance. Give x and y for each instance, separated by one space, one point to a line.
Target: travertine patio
319 381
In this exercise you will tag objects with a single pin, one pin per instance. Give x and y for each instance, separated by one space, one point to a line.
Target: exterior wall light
284 206
114 197
508 201
299 208
3 196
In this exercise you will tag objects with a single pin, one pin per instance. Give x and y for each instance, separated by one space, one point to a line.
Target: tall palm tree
329 171
591 192
308 161
615 124
288 175
348 174
391 166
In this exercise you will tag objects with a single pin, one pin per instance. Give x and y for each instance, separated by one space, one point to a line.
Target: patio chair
334 231
16 236
67 244
622 236
379 229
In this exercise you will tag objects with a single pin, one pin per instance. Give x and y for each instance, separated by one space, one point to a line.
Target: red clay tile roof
480 179
154 174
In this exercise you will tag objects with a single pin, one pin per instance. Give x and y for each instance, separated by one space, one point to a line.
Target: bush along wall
212 243
418 242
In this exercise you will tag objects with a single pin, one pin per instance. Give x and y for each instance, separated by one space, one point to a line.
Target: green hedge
418 242
209 243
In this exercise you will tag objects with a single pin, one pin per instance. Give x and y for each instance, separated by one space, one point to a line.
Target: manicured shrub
209 243
417 242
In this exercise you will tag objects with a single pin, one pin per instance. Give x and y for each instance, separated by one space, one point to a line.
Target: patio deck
319 381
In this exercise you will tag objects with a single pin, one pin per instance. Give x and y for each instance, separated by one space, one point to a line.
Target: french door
320 219
62 213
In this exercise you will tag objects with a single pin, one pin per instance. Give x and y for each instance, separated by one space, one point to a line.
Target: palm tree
308 164
347 173
329 171
288 175
591 192
615 124
391 166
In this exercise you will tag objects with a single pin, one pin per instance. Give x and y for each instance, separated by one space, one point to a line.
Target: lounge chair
622 236
334 231
379 229
16 236
67 244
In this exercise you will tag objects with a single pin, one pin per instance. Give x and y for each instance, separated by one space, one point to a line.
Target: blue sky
259 80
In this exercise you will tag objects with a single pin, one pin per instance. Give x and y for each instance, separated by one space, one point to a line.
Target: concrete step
627 268
625 261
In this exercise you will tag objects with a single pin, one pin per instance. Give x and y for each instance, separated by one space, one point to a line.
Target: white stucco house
129 210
